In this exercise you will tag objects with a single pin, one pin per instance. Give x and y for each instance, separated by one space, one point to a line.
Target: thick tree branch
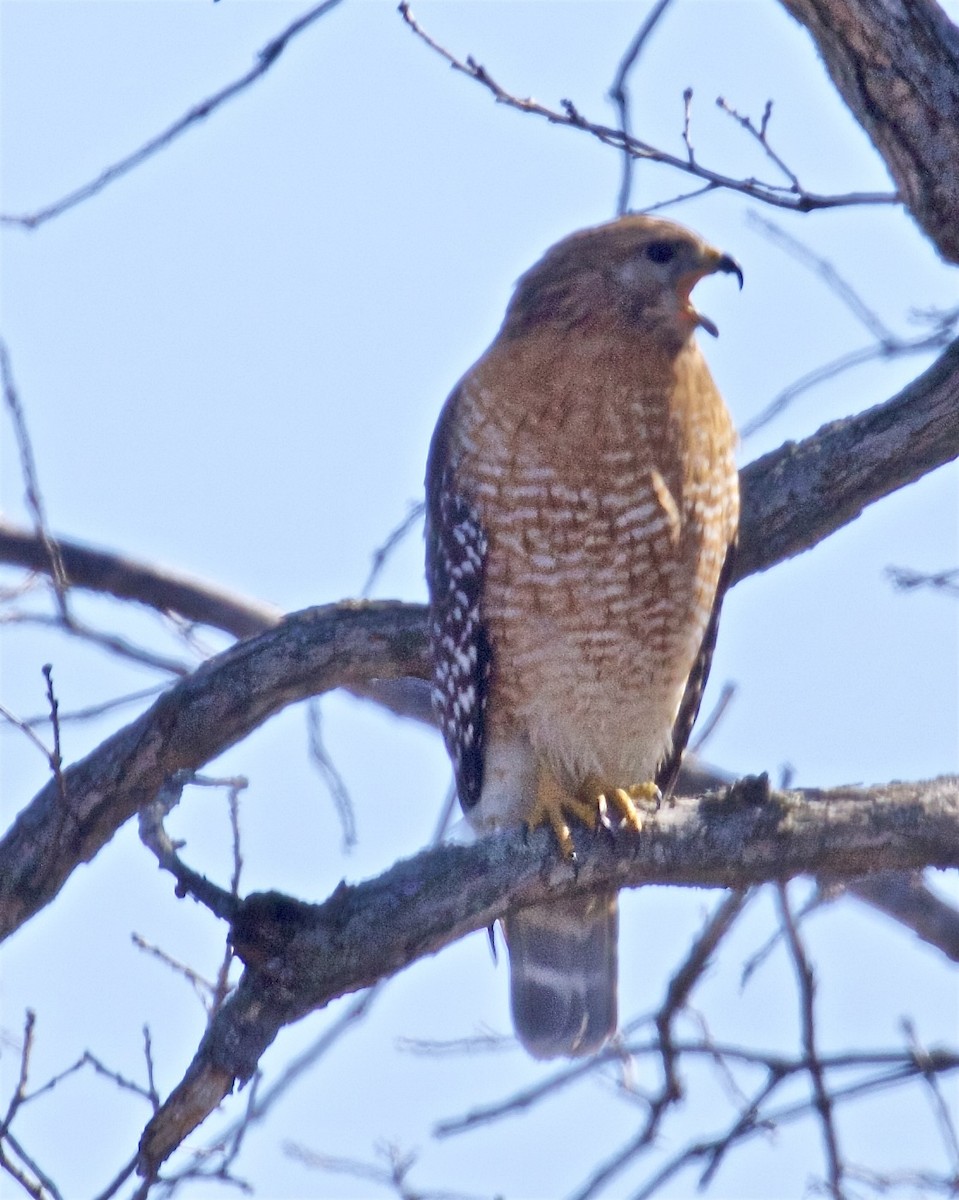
801 493
300 956
905 897
896 64
126 579
210 710
793 498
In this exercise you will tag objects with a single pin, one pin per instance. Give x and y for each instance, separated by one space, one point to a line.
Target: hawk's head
635 270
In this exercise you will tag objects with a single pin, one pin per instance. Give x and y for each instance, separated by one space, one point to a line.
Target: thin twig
807 992
826 270
336 785
152 1094
619 94
394 537
908 580
56 758
707 727
203 987
28 467
944 1120
844 362
111 642
24 727
265 59
570 116
687 125
688 975
91 711
760 135
20 1092
887 344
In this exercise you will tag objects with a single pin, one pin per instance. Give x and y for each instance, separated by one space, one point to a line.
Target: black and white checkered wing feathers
455 554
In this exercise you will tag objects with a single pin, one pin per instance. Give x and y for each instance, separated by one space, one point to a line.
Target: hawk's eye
660 252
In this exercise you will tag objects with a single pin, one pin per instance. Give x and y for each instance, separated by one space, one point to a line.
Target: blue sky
231 362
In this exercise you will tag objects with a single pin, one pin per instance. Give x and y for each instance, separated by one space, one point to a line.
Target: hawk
582 507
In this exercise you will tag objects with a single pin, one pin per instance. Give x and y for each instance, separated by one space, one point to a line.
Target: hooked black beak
729 265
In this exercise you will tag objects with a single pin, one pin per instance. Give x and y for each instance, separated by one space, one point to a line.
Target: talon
647 793
623 800
628 810
552 805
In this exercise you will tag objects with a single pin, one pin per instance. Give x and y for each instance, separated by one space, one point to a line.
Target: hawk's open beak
714 262
729 265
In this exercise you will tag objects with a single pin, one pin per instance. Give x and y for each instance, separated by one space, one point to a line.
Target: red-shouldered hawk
582 505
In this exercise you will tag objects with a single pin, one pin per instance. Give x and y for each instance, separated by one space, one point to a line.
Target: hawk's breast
608 502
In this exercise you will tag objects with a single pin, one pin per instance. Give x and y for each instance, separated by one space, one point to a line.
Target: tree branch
896 65
801 493
265 59
218 705
792 499
300 956
792 197
126 579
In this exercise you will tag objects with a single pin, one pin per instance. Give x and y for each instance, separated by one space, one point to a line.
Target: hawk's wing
461 653
695 684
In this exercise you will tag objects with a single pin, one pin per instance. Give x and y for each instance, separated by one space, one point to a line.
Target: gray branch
896 65
301 956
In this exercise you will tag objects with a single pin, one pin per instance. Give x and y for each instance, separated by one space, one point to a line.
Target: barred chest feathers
608 510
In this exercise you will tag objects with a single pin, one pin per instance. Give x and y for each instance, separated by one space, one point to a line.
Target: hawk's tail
563 974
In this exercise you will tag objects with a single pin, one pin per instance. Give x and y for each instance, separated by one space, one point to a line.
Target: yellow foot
624 801
552 807
555 805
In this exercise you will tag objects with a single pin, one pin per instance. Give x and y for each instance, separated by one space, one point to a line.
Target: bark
896 65
300 956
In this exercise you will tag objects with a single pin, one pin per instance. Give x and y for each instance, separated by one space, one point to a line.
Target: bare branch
908 580
300 956
799 494
792 499
24 727
335 784
382 553
53 561
619 94
760 133
828 273
126 579
940 330
56 758
571 117
219 704
807 992
911 903
943 1116
265 59
688 975
111 642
